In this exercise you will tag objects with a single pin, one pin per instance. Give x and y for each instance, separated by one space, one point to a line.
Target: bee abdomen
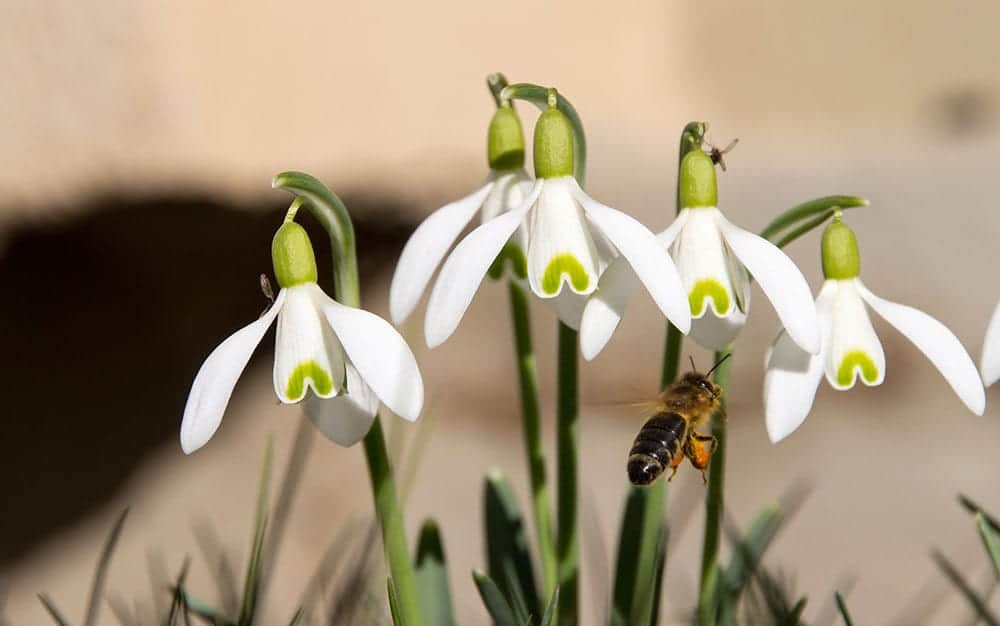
655 445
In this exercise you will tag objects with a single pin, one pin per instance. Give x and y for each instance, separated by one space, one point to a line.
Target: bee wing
643 408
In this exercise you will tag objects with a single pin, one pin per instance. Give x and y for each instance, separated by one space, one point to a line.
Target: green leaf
496 604
990 540
251 584
803 229
431 578
101 574
393 602
748 551
808 210
635 586
972 507
661 567
977 603
507 550
842 607
50 606
184 598
297 617
539 96
549 619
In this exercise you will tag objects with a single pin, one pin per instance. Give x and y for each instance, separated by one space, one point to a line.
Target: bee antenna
718 363
694 368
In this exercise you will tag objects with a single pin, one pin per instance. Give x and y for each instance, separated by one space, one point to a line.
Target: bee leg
673 471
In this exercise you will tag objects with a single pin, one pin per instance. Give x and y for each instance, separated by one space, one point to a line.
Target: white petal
508 192
425 249
649 260
792 376
560 246
214 383
668 236
853 349
307 354
347 418
380 356
716 333
606 306
779 279
938 343
704 266
569 307
464 270
990 366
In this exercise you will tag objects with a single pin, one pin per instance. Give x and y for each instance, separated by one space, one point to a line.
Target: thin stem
497 82
331 213
707 596
567 547
798 231
528 378
807 210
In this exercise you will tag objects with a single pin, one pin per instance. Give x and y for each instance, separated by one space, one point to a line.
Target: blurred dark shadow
108 318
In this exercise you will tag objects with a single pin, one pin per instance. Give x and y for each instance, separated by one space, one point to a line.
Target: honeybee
671 434
716 155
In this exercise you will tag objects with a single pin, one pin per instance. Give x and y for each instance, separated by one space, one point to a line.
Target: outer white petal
307 354
779 279
938 343
793 375
508 192
606 306
380 356
464 270
347 418
716 333
214 383
668 236
559 232
569 307
852 333
425 249
649 260
990 365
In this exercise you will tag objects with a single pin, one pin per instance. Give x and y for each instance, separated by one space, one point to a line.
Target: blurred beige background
895 101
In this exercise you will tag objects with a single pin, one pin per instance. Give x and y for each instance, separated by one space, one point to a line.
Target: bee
716 155
671 434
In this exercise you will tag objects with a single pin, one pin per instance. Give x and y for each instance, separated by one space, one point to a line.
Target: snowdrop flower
505 189
348 355
713 257
990 365
570 239
851 349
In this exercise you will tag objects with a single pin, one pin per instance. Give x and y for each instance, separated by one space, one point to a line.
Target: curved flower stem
708 596
567 547
528 378
539 96
331 213
807 210
497 82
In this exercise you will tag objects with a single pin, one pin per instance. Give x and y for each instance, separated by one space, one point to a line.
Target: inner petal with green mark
568 265
709 289
322 382
856 359
514 258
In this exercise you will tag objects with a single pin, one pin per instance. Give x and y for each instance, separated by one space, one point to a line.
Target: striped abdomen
658 441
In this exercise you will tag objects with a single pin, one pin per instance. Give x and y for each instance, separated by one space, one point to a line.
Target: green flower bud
505 141
292 256
841 259
553 144
697 185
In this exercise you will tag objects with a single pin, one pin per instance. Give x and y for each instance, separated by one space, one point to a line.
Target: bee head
704 386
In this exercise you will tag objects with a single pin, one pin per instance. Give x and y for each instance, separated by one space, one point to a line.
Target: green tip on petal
856 359
292 256
841 259
505 141
567 264
311 370
697 185
553 144
705 289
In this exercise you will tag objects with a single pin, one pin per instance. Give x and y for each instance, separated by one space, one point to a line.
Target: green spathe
841 259
505 140
292 256
697 186
569 265
553 145
321 381
856 359
703 290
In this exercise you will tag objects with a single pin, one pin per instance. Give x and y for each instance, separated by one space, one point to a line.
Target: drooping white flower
505 189
715 259
850 347
349 358
570 239
990 363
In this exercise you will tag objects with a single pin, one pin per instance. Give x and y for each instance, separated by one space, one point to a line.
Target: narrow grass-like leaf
50 606
431 578
297 617
178 605
808 210
251 585
990 540
842 607
629 539
393 602
639 550
977 603
101 573
661 568
974 508
508 556
549 618
748 551
224 574
496 604
802 229
200 608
